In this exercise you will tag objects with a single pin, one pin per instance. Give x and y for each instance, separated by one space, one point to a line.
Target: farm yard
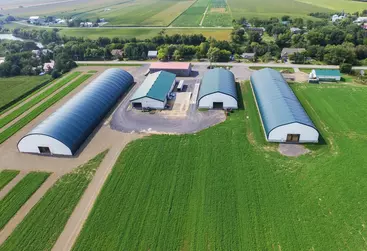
226 188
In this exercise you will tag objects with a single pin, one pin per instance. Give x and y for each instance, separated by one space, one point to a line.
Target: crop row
13 115
6 176
44 223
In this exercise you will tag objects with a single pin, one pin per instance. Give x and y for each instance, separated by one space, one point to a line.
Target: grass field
14 87
10 131
226 189
22 191
25 107
6 176
275 68
41 227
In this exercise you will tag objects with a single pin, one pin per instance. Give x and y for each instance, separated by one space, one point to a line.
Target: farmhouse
47 67
248 56
154 91
65 130
152 54
218 90
283 117
178 68
295 30
286 52
324 76
34 20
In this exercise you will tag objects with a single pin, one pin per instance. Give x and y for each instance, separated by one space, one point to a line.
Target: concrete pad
292 150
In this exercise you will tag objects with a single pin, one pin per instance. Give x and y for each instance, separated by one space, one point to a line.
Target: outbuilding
154 91
218 90
282 116
327 75
64 132
181 69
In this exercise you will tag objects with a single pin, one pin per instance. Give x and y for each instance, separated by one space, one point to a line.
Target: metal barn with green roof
324 75
218 90
282 115
153 92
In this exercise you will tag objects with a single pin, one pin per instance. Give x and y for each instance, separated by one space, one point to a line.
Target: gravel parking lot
126 119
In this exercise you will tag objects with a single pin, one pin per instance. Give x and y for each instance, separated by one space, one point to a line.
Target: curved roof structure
75 120
276 101
218 80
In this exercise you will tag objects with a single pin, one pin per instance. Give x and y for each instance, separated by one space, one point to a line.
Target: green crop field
14 87
16 198
42 226
193 15
10 131
225 188
25 107
218 14
6 176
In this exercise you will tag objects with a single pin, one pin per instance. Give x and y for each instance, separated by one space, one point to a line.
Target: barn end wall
30 144
307 133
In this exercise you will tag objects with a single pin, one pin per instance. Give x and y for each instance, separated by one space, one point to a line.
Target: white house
336 17
34 19
154 91
47 67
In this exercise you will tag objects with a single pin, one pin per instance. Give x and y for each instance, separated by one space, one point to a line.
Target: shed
181 69
282 116
152 54
154 91
64 132
218 90
324 75
286 52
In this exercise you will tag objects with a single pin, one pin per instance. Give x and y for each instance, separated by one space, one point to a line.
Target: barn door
293 138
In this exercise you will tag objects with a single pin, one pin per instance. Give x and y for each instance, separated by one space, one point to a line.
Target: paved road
305 66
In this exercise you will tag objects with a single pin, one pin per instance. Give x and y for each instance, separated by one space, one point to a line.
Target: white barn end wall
30 144
208 100
307 133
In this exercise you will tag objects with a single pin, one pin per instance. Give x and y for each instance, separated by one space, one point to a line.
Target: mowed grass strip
274 68
22 191
13 115
42 226
226 188
43 107
6 176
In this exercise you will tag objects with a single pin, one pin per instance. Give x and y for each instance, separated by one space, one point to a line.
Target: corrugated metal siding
321 73
155 86
276 101
218 80
75 121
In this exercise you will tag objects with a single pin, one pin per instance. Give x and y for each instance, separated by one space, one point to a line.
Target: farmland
226 189
15 199
192 16
44 223
218 14
14 87
25 107
10 131
6 176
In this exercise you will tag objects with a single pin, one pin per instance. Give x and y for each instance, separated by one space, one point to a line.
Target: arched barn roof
75 120
218 80
277 103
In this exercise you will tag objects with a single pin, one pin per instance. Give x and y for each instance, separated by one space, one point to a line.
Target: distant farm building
47 67
295 30
65 131
260 30
282 116
286 52
178 68
248 56
154 91
34 20
218 90
317 76
152 54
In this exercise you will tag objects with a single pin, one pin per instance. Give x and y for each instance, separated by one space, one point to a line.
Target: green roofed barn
218 90
153 92
324 76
